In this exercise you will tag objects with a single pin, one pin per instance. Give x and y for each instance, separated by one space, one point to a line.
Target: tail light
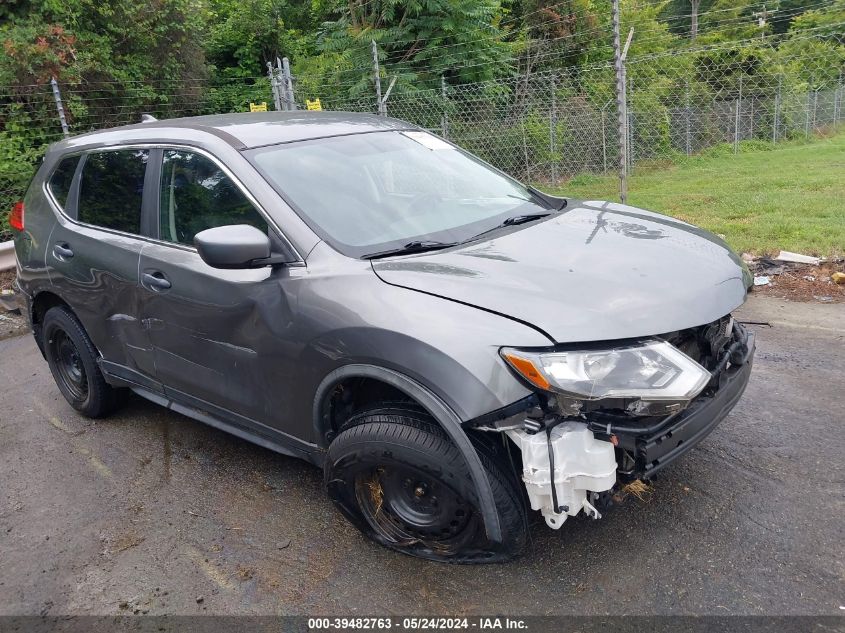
16 218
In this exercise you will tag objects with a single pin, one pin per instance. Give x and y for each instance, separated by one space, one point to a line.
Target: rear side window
197 195
111 189
59 183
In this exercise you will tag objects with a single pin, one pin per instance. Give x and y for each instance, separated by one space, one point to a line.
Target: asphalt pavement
151 512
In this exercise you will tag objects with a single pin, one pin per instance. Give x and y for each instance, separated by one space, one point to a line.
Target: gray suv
452 347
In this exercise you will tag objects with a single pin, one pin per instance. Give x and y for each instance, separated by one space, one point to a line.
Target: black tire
396 475
72 358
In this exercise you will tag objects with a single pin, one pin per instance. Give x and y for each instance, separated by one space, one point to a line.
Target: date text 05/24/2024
416 624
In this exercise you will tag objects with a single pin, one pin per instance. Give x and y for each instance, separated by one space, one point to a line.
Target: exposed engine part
643 408
570 407
582 464
510 417
704 343
532 426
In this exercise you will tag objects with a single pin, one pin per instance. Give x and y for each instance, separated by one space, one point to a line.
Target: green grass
763 199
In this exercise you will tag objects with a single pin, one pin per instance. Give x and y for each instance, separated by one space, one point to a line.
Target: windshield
366 193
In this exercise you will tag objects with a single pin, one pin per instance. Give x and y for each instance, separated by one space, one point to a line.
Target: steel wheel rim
69 367
406 505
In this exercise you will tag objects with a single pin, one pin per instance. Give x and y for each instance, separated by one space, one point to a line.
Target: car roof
244 130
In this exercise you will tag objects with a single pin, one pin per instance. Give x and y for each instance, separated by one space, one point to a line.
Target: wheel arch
40 304
448 420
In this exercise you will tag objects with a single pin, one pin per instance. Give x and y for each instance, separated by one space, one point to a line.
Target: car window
111 189
59 183
364 193
197 195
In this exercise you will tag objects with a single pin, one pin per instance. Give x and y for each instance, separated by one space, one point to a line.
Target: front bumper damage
569 462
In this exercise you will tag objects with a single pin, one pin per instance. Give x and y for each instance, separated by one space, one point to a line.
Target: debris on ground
798 258
283 544
6 279
12 324
823 282
638 488
245 573
9 300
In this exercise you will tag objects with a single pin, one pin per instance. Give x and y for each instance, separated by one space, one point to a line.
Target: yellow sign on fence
258 107
313 105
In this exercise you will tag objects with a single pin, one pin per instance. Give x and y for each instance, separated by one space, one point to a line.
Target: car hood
598 271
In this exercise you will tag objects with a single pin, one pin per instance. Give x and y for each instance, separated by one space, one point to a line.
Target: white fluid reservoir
582 463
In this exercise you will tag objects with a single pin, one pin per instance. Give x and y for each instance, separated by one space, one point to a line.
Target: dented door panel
99 282
217 334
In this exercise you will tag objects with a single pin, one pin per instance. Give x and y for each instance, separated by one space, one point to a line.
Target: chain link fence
549 127
543 127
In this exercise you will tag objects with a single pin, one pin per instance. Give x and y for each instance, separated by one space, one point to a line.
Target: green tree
790 10
419 40
243 35
566 31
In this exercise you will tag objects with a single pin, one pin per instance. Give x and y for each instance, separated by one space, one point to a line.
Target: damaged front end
603 416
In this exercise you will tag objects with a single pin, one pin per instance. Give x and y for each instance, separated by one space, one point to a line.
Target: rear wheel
396 475
72 358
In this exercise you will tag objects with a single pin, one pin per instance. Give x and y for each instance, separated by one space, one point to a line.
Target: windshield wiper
512 221
549 201
522 219
417 246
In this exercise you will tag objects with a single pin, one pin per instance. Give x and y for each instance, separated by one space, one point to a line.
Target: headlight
655 370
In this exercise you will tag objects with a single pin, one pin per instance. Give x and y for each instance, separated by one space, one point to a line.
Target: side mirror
234 246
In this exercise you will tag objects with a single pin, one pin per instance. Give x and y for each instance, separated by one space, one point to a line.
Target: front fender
441 353
438 409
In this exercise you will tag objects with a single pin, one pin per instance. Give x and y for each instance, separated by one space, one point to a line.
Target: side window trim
72 206
150 195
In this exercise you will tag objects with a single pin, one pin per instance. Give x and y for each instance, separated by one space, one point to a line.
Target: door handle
156 281
62 251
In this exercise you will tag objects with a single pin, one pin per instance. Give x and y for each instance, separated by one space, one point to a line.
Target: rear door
217 335
94 249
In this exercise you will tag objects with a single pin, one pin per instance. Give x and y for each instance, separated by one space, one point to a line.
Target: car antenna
148 118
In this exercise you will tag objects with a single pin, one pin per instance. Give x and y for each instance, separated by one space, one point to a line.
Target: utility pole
737 120
621 105
288 80
553 129
693 31
274 86
444 120
57 96
762 18
377 77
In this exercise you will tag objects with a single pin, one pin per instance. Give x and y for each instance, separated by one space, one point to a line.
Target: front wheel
396 475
